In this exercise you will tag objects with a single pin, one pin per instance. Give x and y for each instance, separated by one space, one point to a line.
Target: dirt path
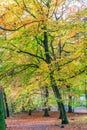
38 122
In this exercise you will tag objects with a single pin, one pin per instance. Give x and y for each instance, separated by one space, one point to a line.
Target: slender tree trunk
46 111
30 112
2 116
6 105
86 99
70 110
86 93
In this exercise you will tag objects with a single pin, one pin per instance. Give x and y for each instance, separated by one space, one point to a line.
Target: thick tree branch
8 29
25 52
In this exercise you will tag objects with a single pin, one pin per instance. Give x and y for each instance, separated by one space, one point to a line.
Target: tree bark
30 112
86 93
70 110
2 115
46 111
53 82
60 102
6 105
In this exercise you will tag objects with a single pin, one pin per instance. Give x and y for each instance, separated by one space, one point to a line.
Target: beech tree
40 36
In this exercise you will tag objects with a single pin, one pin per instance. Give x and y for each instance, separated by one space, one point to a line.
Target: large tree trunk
60 102
53 82
2 115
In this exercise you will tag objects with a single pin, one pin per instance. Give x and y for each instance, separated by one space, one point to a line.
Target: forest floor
22 121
